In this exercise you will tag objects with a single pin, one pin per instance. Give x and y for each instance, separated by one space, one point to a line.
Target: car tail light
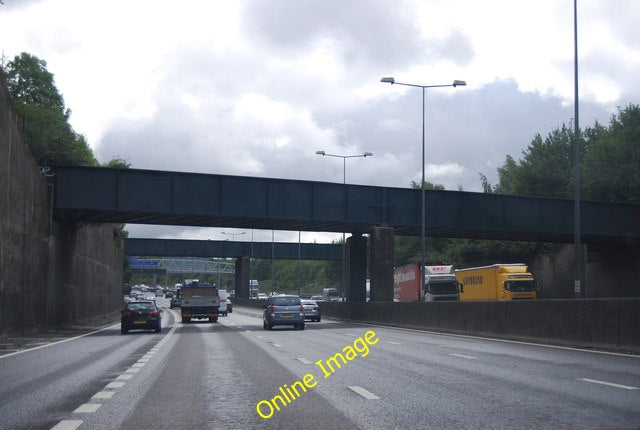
301 308
126 313
154 313
270 309
315 308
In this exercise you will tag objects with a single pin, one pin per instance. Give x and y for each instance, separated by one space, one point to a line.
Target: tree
117 163
545 170
45 119
611 169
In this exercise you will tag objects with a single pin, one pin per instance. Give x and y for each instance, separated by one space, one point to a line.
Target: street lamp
344 161
456 83
233 235
344 181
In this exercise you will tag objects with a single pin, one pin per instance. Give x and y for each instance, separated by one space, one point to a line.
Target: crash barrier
597 323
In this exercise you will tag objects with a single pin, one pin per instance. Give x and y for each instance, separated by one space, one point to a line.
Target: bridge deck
90 194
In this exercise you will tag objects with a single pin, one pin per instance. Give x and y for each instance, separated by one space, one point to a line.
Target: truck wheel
302 326
158 329
186 320
213 319
124 330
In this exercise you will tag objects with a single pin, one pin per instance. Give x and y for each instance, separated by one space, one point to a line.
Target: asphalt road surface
235 375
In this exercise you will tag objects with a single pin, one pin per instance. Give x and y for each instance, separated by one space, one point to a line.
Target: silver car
311 310
283 310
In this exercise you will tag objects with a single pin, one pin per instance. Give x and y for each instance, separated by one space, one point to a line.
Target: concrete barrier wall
602 323
50 274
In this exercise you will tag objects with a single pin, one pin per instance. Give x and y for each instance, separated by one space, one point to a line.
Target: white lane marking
610 384
132 370
276 345
123 376
303 360
138 365
364 393
463 356
67 425
116 384
103 395
492 339
56 343
394 343
88 408
143 360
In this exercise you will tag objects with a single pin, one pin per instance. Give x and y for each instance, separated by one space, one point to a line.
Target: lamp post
233 235
344 182
455 83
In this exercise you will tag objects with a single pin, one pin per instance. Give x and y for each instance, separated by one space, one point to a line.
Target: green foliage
117 163
611 166
44 117
545 170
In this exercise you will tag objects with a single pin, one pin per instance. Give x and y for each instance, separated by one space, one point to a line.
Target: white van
224 296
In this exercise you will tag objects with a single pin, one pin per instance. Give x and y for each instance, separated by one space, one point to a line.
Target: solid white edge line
364 393
610 384
463 356
519 342
173 328
67 425
58 342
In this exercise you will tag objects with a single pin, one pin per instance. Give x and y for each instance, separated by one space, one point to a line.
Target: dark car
311 310
141 315
283 310
175 302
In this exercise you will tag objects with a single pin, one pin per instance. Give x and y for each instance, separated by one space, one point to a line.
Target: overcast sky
255 88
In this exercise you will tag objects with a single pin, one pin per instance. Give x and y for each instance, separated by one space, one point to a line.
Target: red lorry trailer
440 284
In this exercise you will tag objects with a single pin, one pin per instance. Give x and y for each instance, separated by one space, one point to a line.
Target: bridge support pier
241 279
381 266
355 288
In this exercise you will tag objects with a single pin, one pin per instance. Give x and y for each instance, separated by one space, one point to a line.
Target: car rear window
140 306
286 301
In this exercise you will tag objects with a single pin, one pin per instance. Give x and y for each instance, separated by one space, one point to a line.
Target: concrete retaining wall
600 323
597 323
50 274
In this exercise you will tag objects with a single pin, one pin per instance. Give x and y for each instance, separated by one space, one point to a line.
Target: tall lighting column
577 264
344 182
455 83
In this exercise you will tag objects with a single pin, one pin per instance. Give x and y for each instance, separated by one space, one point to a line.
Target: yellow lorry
497 282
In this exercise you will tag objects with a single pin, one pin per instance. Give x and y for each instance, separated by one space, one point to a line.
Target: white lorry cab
224 297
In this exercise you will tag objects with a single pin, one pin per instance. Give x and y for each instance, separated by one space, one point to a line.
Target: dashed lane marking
303 360
364 393
67 425
125 376
464 356
103 395
115 385
88 408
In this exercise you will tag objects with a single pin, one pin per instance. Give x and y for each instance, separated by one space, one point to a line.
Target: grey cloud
363 31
